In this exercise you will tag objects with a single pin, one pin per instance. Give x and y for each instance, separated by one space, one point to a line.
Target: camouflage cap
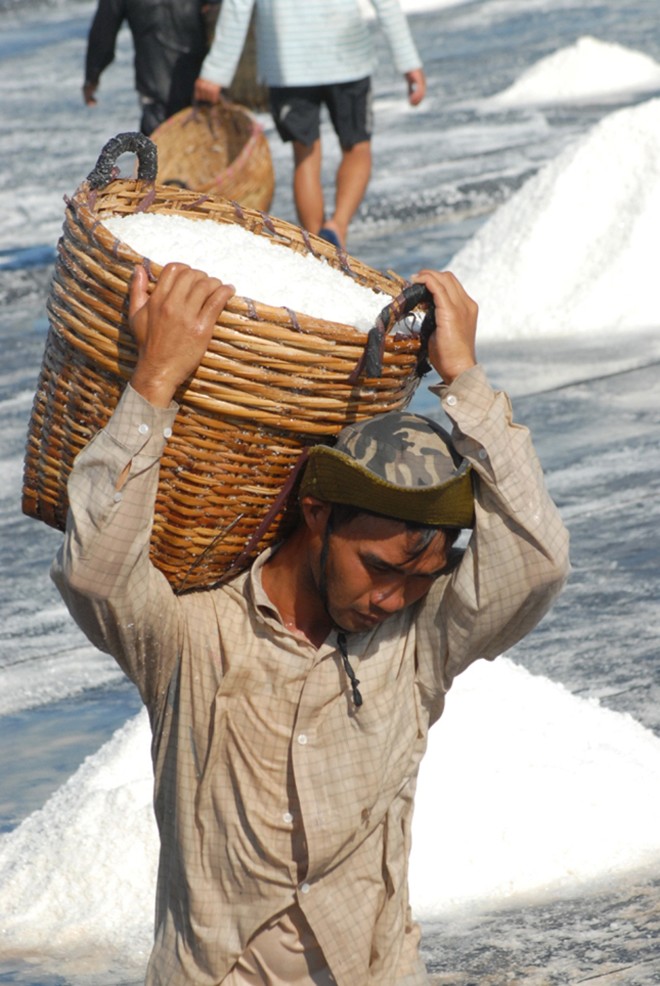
397 464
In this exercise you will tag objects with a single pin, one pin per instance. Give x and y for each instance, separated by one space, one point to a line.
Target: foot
329 234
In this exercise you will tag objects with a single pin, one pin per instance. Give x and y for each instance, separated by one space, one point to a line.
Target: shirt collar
264 608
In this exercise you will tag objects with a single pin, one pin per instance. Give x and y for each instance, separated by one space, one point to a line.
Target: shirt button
143 429
452 399
482 453
167 432
117 497
305 888
287 817
302 739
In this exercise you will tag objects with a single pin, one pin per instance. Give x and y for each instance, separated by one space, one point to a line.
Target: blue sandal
330 236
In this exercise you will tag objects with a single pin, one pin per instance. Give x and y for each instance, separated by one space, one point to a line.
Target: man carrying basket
290 707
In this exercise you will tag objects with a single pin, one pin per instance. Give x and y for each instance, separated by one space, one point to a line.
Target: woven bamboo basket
220 149
272 383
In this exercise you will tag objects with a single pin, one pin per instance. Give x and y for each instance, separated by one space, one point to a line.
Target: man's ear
315 513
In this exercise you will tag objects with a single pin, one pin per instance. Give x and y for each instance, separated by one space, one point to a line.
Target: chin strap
343 650
341 634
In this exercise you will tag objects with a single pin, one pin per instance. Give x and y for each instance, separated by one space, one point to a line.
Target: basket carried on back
272 382
220 149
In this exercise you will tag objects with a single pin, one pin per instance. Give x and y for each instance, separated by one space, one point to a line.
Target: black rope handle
370 363
132 143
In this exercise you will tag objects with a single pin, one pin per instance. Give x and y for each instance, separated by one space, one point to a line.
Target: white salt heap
258 268
574 251
589 69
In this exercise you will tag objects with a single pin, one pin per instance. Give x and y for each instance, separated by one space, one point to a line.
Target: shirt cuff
139 427
469 397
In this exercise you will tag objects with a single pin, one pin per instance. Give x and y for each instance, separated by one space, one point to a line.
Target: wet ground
606 938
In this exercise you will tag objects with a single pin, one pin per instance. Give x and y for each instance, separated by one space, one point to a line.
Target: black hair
344 513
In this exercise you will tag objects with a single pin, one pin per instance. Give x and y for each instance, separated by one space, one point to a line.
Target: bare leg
307 188
351 183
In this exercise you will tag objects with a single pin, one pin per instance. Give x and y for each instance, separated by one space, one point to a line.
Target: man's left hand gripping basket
272 383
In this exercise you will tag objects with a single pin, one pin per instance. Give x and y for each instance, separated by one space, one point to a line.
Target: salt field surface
532 170
257 267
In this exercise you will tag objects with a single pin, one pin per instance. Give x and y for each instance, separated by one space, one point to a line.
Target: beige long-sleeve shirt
271 788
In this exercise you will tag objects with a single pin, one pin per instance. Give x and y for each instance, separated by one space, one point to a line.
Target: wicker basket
220 149
272 382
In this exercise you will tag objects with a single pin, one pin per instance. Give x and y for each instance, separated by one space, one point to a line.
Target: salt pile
589 69
259 269
581 239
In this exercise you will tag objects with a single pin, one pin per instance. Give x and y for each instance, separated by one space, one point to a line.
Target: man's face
376 567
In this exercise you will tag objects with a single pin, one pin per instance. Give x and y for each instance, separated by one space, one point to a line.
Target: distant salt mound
575 249
588 70
258 268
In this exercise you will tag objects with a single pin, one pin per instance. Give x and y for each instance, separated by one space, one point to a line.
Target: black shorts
297 111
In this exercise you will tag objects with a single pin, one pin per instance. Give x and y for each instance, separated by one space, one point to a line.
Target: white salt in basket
274 380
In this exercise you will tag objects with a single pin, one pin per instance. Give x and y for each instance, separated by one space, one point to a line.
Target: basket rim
84 205
256 136
189 111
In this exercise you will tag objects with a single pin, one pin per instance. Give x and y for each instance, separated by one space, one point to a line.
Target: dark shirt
170 44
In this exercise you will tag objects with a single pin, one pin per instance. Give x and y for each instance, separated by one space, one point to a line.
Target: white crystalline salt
258 268
588 69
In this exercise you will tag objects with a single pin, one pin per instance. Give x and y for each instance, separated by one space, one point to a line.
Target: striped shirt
307 42
272 790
